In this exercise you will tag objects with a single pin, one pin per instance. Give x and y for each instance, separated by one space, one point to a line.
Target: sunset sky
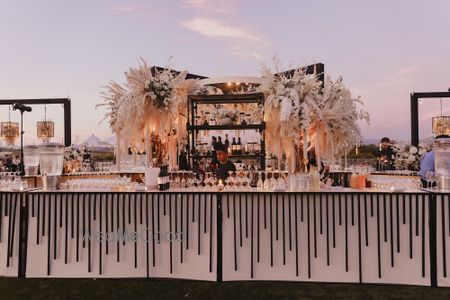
383 49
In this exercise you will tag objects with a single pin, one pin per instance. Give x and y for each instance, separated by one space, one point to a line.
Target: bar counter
328 236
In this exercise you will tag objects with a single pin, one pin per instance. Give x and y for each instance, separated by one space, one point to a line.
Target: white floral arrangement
160 89
407 157
148 101
301 114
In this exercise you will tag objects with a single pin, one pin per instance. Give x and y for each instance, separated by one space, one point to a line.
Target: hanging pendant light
441 124
9 130
45 129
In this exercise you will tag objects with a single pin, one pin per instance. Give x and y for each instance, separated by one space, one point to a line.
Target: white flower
413 150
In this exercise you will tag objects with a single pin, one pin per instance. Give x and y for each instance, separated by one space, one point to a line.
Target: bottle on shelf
233 146
227 142
219 140
239 147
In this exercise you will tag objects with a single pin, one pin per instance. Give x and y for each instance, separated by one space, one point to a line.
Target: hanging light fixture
9 130
441 124
45 129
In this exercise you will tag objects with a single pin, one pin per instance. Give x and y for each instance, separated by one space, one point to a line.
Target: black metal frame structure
415 111
67 112
193 129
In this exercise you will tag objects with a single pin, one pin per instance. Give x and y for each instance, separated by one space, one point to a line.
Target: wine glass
429 176
260 182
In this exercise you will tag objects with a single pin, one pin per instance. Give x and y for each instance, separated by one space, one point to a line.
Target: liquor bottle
239 146
227 142
219 140
163 178
233 146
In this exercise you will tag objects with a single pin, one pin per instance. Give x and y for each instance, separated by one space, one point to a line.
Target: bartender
225 165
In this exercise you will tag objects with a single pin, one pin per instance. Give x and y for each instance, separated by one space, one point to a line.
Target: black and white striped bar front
328 236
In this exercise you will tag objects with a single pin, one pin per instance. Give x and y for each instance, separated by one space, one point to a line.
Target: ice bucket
51 160
31 159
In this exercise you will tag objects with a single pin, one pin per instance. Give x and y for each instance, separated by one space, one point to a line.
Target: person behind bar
386 155
225 165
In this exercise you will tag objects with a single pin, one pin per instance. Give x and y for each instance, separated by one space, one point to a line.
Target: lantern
45 129
441 125
10 132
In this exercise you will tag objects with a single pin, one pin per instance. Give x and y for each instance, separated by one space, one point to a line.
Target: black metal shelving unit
193 129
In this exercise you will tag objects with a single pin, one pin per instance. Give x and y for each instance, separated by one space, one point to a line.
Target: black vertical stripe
198 196
117 225
89 232
234 233
320 214
66 208
78 227
346 231
315 224
365 219
391 212
211 230
359 239
246 215
170 230
106 223
147 256
124 221
404 209
271 232
258 203
38 217
444 250
251 235
410 228
371 205
159 219
309 235
290 223
135 227
187 221
397 212
49 234
378 236
327 229
423 235
296 236
240 220
101 235
153 229
181 227
284 229
333 209
55 228
385 218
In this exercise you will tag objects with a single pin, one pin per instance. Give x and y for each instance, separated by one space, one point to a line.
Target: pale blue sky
384 49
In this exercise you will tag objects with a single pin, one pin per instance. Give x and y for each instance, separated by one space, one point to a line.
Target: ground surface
13 288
